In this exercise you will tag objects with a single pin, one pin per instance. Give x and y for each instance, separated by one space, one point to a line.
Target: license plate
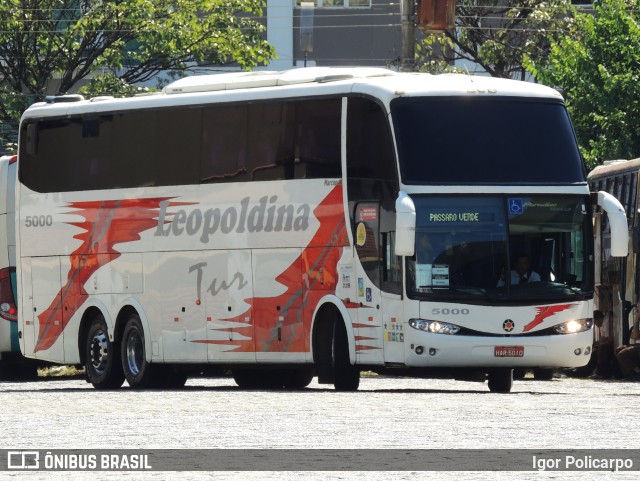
508 351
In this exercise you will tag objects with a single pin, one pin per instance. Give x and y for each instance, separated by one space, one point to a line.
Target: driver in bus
521 273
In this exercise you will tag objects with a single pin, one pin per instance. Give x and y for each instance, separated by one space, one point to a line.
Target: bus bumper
553 351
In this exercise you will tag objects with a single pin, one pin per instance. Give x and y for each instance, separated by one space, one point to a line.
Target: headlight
435 327
576 325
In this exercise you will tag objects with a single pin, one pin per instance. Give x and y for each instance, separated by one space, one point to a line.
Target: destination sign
468 216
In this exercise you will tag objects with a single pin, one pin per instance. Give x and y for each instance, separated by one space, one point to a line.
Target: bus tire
346 377
102 362
261 378
501 380
137 371
299 378
248 378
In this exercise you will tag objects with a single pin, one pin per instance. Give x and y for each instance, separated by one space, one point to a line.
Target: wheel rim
135 352
99 351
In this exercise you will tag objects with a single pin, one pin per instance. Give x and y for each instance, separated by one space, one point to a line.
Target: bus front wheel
501 380
346 377
102 363
137 370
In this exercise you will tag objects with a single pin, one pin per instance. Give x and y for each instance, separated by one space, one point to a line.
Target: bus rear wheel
501 380
137 371
256 378
102 363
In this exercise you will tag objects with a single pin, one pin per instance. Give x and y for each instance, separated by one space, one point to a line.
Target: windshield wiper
575 290
462 290
545 289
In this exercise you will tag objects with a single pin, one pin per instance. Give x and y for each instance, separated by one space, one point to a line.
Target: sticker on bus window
367 213
440 275
423 275
361 234
515 206
360 287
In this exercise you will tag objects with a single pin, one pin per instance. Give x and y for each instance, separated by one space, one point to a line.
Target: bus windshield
485 140
494 248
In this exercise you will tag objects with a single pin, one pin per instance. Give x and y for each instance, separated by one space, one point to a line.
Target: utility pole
408 62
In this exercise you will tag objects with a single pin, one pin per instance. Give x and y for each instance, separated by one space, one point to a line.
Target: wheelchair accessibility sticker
515 206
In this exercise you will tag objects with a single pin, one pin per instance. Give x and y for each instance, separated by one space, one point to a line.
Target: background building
339 32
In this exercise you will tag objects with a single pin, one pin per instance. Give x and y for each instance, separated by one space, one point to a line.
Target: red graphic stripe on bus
352 305
282 323
357 325
106 223
545 312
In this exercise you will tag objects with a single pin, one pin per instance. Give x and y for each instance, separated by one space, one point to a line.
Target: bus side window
269 143
317 138
224 144
391 265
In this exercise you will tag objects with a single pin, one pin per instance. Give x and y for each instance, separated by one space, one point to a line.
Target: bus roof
614 167
315 81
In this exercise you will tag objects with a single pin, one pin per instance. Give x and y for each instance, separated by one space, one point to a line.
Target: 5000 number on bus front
445 312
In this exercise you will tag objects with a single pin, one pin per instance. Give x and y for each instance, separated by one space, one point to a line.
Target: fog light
432 351
419 350
587 350
577 351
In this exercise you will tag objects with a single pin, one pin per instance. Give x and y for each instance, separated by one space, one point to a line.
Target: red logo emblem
508 325
545 312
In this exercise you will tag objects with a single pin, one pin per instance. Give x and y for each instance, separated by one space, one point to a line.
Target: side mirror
617 223
405 225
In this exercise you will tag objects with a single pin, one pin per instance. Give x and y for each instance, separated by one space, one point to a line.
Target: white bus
617 280
12 364
309 222
9 347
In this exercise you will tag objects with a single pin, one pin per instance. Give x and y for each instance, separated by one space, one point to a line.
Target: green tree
496 35
51 46
597 67
111 84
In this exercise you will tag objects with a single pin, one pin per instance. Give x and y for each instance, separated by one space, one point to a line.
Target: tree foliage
112 85
496 35
51 46
597 67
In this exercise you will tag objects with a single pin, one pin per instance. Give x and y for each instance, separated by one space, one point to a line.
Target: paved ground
385 413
